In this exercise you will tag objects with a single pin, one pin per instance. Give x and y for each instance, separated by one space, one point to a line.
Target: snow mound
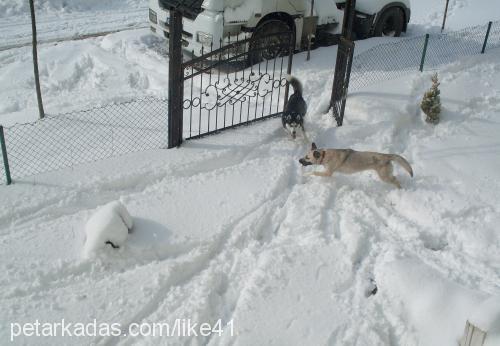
435 306
109 225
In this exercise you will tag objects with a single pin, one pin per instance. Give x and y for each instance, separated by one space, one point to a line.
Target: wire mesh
494 38
89 135
85 136
393 60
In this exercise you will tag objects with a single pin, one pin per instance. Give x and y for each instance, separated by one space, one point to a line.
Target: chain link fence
69 139
396 59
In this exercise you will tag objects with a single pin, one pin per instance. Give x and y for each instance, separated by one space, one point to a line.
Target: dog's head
313 157
292 123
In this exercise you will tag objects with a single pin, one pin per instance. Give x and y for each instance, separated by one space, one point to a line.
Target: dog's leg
385 174
322 174
327 173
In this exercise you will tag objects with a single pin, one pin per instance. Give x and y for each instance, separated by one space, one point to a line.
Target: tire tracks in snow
54 27
207 256
220 253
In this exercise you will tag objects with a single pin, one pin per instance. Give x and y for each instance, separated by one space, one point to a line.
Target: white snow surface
109 223
228 227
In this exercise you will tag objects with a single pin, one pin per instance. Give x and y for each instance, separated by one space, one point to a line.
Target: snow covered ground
61 19
228 227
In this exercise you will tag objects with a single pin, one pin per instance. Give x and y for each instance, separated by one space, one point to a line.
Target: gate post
291 49
175 80
41 112
345 52
5 157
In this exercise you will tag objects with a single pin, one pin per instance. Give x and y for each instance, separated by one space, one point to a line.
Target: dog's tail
402 162
296 84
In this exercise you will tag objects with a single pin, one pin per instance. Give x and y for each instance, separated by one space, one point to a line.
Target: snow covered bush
108 226
431 102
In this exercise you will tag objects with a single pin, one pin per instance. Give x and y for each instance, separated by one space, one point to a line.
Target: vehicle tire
265 46
390 23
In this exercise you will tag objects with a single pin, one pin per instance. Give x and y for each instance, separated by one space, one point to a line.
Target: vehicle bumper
363 24
205 25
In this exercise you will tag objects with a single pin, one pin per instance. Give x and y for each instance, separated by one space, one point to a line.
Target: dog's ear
313 146
316 154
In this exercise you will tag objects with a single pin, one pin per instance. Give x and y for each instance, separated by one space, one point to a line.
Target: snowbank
109 225
437 307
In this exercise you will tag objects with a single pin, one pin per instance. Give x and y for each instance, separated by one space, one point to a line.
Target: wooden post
473 336
35 61
175 81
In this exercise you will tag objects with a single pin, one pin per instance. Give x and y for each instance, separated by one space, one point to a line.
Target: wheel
266 46
390 23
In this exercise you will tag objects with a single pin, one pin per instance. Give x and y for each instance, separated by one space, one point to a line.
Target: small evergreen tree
431 103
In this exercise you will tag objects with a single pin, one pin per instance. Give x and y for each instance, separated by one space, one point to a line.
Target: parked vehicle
211 21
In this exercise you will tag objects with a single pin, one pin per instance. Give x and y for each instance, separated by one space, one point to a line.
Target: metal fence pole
35 61
175 81
422 61
289 66
309 37
486 38
4 155
343 63
445 14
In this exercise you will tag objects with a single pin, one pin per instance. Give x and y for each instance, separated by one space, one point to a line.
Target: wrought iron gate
242 82
342 76
229 84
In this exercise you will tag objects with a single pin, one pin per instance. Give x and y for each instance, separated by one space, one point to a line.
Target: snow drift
109 225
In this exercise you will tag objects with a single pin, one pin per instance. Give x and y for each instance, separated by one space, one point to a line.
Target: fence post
291 48
486 38
422 61
175 80
343 63
4 155
309 36
41 112
473 336
445 14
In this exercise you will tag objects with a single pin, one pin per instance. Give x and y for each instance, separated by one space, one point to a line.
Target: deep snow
228 227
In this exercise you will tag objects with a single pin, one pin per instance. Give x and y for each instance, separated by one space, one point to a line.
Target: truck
208 23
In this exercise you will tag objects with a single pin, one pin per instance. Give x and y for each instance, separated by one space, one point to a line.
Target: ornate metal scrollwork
224 78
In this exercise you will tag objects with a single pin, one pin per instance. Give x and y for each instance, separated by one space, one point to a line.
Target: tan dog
350 161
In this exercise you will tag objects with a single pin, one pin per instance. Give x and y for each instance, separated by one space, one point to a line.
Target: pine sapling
431 102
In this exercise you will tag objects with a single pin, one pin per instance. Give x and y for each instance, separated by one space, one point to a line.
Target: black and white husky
295 109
